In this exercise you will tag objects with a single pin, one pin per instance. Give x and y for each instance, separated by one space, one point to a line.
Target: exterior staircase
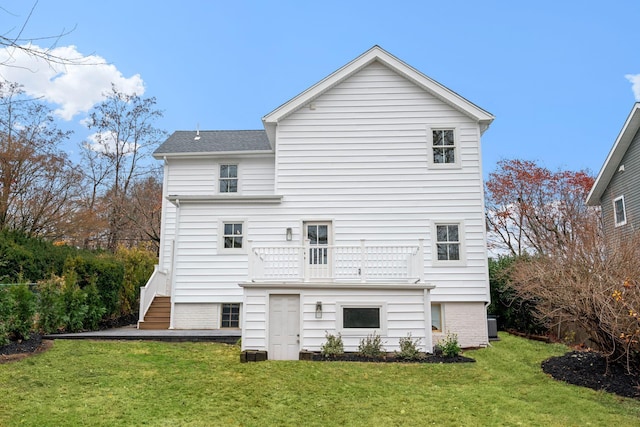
158 315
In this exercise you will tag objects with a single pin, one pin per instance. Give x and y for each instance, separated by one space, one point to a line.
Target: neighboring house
358 209
617 187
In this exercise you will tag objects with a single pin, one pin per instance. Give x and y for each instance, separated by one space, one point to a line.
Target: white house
358 209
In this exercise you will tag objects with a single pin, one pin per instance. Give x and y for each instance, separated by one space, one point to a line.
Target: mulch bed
589 369
355 357
17 350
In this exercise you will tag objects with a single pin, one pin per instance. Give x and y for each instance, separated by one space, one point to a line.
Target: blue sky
552 72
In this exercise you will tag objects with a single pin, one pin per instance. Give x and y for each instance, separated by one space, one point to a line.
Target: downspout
173 265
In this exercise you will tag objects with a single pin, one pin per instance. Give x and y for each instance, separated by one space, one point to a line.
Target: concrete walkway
229 336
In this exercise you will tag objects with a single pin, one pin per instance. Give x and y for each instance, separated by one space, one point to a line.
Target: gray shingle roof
212 141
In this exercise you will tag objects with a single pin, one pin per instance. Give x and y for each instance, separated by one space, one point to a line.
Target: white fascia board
213 154
216 198
610 166
377 54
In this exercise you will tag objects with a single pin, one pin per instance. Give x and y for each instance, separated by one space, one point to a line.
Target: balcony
337 263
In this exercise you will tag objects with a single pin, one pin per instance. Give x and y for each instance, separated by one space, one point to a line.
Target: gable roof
611 164
184 142
376 53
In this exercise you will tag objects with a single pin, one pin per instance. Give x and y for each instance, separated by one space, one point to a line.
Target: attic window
619 211
444 147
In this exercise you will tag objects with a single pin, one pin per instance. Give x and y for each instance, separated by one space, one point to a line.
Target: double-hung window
444 147
232 235
619 211
448 242
228 178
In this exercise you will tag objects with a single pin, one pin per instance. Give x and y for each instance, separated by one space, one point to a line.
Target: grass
90 383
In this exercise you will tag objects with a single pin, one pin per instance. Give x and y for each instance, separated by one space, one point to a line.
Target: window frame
221 236
382 330
431 147
461 244
615 211
221 178
230 314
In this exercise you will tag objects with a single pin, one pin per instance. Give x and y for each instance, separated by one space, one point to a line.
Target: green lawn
203 384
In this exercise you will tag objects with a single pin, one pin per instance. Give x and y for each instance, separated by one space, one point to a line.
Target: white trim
230 251
434 244
620 146
382 330
214 154
223 198
624 211
376 53
456 148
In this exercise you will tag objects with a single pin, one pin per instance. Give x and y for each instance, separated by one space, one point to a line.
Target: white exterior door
318 256
284 327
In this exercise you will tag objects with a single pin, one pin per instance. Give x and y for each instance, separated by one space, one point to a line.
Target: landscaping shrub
409 348
95 309
6 304
371 346
449 345
512 310
50 305
23 310
333 346
106 272
73 300
138 265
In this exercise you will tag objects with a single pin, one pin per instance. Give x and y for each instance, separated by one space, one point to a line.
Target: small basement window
230 316
361 317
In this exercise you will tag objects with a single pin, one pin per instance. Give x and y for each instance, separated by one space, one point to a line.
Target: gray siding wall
625 184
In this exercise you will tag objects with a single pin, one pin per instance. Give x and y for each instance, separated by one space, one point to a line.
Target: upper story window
448 242
619 211
228 178
444 147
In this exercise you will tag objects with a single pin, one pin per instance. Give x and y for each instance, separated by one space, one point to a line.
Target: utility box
492 328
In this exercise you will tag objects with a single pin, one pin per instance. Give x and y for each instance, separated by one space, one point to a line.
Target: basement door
284 327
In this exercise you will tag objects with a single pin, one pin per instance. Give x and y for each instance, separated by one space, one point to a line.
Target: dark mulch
20 349
355 357
589 369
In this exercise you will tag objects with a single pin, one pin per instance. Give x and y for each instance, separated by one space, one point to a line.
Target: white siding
359 158
404 312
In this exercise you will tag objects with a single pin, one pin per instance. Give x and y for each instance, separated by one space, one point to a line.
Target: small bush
449 345
6 303
23 311
95 308
138 266
333 347
50 305
371 346
409 348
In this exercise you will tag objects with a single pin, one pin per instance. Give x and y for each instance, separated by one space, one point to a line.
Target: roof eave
376 53
617 152
183 155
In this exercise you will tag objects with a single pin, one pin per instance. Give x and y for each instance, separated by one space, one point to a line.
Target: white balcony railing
359 263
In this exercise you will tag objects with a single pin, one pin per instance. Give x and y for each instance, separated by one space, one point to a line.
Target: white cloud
105 143
635 85
74 87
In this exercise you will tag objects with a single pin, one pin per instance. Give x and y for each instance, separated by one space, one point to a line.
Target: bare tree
533 210
15 40
125 132
37 181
